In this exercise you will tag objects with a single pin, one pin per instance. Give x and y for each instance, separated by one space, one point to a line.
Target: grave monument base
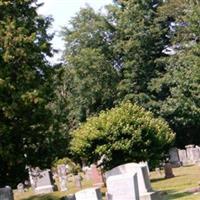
44 189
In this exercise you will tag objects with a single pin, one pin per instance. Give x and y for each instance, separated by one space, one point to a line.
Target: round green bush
126 133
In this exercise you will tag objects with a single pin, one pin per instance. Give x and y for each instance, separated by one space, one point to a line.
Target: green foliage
119 55
123 134
177 89
27 135
88 77
141 39
73 167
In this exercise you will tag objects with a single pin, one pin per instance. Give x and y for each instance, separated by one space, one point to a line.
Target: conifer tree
26 136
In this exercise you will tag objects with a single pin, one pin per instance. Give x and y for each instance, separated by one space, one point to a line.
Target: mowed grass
176 188
173 188
52 196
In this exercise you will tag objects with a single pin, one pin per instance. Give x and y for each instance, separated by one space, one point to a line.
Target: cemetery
100 101
130 181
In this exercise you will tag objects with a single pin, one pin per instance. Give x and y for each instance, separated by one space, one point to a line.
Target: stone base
151 196
44 189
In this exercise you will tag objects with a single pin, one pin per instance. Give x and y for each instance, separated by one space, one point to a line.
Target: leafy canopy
123 134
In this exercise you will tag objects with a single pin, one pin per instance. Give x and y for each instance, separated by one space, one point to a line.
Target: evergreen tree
26 136
176 90
141 39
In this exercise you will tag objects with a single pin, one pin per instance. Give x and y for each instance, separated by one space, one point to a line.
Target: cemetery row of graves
130 181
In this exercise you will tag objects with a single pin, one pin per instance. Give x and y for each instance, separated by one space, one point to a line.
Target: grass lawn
185 178
174 188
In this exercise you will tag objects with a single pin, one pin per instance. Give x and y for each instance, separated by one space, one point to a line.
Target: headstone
174 157
34 174
77 179
122 187
142 175
168 170
193 154
144 185
20 187
158 171
44 183
183 156
88 174
6 193
89 194
146 165
96 176
62 174
26 185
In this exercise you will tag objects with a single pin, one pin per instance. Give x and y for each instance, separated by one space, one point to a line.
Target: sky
62 11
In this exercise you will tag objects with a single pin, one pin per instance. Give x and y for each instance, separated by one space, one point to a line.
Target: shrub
126 133
73 167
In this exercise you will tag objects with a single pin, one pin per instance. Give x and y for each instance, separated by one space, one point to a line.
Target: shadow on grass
42 197
154 180
172 194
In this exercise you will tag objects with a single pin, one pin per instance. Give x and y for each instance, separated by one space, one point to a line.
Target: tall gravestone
190 156
122 187
195 154
62 174
96 176
144 185
174 157
89 194
6 194
183 156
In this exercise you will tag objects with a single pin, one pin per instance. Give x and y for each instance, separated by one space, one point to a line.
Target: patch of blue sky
62 11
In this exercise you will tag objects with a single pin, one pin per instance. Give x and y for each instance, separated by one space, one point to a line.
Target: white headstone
44 183
193 154
183 156
62 174
89 194
122 187
142 175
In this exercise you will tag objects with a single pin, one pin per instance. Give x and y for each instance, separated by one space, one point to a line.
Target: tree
89 75
127 132
140 41
26 127
176 90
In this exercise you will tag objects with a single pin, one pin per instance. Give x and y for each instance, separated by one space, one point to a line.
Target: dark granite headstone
174 157
168 170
